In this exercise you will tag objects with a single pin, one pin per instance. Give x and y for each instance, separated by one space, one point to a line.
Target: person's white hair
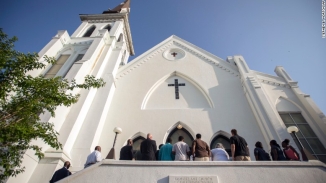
219 145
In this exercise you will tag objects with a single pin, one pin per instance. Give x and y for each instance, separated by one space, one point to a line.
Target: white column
98 110
265 112
116 29
79 29
94 54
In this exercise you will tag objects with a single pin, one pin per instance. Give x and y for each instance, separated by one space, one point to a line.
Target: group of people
179 151
277 154
199 151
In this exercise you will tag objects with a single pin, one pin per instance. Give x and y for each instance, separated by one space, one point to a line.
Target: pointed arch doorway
136 142
136 147
180 131
224 141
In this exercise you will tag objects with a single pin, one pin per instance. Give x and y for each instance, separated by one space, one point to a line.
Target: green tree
22 99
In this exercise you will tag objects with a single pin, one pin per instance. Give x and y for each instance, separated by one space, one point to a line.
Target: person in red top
289 152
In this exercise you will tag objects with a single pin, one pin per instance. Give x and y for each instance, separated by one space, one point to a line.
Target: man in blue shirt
165 153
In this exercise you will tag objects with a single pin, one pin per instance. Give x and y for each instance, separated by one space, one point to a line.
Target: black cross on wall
174 54
176 87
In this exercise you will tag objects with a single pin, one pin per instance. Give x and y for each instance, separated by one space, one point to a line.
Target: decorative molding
101 18
81 43
182 46
144 60
73 45
56 154
174 54
104 20
264 75
206 58
270 82
254 82
293 84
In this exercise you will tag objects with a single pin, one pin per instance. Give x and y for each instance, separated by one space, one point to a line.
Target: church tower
99 46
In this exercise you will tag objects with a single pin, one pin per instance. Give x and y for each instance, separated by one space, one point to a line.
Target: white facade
218 95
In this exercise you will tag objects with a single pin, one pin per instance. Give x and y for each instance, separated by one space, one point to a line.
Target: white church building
175 88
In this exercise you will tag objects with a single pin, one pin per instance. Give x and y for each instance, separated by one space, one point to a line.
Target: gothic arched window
136 143
175 133
136 147
223 140
89 32
108 27
120 38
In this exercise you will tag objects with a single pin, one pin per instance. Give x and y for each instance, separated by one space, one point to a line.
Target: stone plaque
192 179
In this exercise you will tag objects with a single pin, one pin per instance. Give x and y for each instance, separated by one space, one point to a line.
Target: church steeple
123 7
116 21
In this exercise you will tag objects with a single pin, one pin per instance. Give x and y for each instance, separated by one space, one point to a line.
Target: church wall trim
174 40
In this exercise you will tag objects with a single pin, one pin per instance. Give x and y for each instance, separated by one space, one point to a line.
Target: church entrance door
136 147
224 141
175 133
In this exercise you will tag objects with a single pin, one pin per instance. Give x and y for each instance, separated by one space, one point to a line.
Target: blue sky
267 33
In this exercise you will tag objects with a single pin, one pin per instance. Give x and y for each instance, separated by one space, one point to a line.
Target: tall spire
123 7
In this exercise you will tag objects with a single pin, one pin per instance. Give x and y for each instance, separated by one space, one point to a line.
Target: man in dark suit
61 173
126 151
148 148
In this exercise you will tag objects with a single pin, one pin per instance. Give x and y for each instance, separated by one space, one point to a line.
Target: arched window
306 135
89 32
175 133
223 140
108 27
136 143
136 147
120 38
